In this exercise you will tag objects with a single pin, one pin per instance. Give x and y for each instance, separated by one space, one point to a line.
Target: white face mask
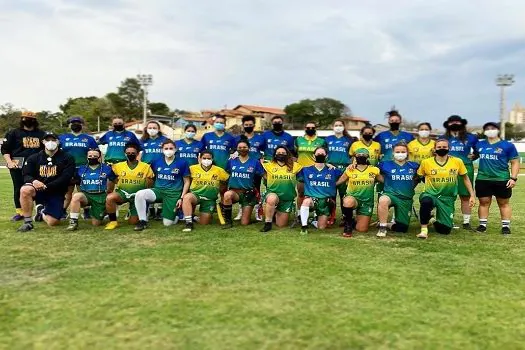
400 156
339 129
423 133
492 133
169 152
206 162
152 132
51 145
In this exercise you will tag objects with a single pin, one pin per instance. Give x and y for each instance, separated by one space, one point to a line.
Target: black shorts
489 188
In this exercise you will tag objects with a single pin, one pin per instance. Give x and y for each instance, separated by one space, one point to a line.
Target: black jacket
22 143
55 173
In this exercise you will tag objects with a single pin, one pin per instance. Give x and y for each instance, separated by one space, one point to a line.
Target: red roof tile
271 110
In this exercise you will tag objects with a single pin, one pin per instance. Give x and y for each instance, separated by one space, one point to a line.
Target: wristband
515 179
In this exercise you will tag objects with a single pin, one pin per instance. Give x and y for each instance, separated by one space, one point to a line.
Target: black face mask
76 127
320 158
29 123
367 137
277 127
280 157
455 127
310 132
361 160
394 126
248 129
118 127
131 157
243 153
93 161
442 152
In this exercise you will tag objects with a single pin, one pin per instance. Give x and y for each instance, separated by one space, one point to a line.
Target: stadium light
503 81
145 80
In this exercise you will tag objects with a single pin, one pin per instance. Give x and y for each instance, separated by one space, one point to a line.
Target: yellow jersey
132 180
280 180
374 149
442 179
418 151
205 183
361 183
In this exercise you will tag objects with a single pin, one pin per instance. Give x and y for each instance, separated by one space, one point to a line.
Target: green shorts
131 201
283 206
206 205
322 206
247 198
364 207
341 189
444 208
169 202
97 201
402 208
462 190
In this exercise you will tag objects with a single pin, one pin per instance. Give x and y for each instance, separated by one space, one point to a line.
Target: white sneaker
314 223
423 235
381 234
258 215
239 214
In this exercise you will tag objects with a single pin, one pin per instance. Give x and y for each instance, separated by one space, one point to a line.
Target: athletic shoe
304 230
64 215
468 227
347 233
158 214
151 212
17 217
381 233
196 218
296 222
87 214
314 223
39 215
26 227
73 225
188 227
111 225
141 225
455 227
259 212
267 227
422 235
481 229
239 215
505 230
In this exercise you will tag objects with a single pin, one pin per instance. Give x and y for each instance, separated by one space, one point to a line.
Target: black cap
496 125
50 134
454 118
76 119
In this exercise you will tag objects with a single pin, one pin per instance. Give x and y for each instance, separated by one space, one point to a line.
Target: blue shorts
53 203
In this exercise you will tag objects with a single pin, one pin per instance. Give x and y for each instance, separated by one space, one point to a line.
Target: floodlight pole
503 81
145 81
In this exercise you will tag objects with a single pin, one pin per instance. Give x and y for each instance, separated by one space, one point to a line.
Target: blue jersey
116 141
170 176
243 174
388 140
94 180
494 159
339 150
151 149
220 146
462 149
319 183
272 140
256 143
77 146
189 152
399 179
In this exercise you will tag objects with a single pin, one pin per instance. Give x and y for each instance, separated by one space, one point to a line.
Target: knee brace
425 210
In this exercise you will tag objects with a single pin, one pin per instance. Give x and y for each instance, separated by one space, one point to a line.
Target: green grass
226 289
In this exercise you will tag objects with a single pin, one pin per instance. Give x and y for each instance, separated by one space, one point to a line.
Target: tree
159 108
323 111
514 132
128 99
9 117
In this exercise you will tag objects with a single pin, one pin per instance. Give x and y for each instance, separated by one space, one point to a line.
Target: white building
517 114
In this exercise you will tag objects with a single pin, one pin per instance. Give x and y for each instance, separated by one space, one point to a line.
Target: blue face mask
219 126
190 134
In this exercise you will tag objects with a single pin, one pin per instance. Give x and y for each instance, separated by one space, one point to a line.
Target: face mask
280 157
320 158
189 134
169 152
51 145
29 122
310 132
131 157
455 127
206 162
118 127
491 133
423 133
400 156
277 127
339 129
442 152
76 127
152 132
219 126
248 129
93 161
243 152
367 137
394 126
361 160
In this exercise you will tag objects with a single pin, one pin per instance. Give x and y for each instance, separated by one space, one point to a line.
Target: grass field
237 288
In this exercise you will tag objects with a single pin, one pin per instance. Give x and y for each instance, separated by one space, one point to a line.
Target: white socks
305 213
466 218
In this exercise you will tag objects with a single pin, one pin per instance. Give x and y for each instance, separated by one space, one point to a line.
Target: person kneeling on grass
441 189
319 189
46 175
132 176
361 178
172 181
206 180
280 175
95 180
243 171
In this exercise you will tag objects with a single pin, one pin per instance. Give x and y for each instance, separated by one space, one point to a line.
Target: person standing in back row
389 138
117 139
220 143
275 138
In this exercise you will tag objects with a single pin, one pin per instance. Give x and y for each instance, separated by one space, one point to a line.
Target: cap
496 125
362 151
28 114
76 119
454 118
50 134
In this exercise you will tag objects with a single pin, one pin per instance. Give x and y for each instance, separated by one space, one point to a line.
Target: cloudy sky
429 58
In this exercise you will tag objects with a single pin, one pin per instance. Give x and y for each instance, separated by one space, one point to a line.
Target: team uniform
130 181
272 140
220 146
116 141
242 179
188 151
93 183
339 155
441 186
388 140
374 149
152 149
305 147
399 184
418 151
77 146
320 186
461 150
205 185
493 170
282 182
361 187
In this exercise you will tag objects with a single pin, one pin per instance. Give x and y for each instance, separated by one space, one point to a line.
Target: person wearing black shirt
46 175
19 144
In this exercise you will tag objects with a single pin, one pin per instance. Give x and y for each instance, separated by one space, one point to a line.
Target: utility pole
503 81
145 81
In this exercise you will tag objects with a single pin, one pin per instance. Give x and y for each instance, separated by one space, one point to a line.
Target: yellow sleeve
461 166
376 171
223 175
421 169
149 172
265 165
347 173
114 168
352 149
411 148
297 167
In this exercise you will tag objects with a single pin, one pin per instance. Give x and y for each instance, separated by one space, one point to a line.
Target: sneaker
505 230
196 218
267 227
64 215
481 229
151 212
304 230
26 227
239 215
17 217
111 225
188 227
73 225
87 214
347 233
314 223
468 227
455 227
259 212
422 235
227 225
296 222
128 215
158 214
381 233
38 216
141 225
